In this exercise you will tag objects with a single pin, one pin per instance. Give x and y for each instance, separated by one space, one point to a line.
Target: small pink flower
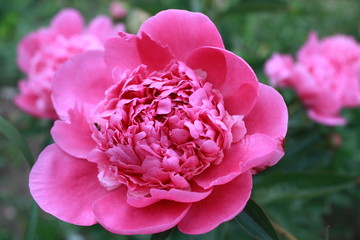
326 76
164 128
117 10
42 52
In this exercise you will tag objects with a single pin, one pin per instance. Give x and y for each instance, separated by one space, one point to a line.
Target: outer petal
118 217
269 115
122 52
253 151
65 187
81 81
182 31
68 22
75 137
224 203
230 74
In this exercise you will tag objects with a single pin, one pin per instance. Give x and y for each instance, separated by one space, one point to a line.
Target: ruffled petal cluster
41 53
164 128
325 76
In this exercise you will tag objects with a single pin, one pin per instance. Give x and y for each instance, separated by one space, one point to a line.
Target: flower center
160 129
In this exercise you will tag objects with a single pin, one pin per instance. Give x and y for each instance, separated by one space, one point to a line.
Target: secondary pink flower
326 76
42 52
164 128
117 10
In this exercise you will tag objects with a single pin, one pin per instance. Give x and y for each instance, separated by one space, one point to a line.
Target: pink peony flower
164 128
42 52
326 76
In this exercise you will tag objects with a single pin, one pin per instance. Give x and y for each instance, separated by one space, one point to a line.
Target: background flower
165 128
42 52
326 76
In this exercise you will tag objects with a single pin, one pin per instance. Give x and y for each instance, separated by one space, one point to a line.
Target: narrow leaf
13 135
33 219
279 185
255 222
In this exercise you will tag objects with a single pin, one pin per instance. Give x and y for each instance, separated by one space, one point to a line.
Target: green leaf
33 219
255 222
280 185
327 233
162 235
13 135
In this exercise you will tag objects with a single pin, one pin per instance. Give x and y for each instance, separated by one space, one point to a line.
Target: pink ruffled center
160 129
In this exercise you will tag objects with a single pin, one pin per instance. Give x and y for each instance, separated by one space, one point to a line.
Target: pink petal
81 81
223 204
114 214
74 138
164 106
279 69
152 53
65 187
230 74
176 195
122 52
28 46
27 101
255 150
68 22
330 120
101 26
182 31
269 115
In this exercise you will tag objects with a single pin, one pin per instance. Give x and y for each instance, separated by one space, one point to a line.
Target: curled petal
176 195
153 54
74 137
253 151
230 74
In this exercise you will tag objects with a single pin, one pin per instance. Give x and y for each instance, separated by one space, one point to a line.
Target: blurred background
312 193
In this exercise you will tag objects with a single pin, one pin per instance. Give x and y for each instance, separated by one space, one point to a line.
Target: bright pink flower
42 52
326 76
167 131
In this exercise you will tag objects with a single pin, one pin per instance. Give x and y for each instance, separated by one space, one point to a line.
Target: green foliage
13 135
255 222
